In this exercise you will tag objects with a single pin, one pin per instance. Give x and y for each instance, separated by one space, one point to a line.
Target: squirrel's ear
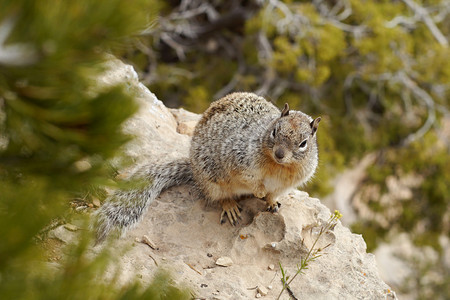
315 124
285 111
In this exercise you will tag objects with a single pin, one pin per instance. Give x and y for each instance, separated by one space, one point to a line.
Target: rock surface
224 261
189 238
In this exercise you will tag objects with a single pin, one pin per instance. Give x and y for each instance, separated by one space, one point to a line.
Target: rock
82 165
224 261
187 228
187 127
262 290
186 121
271 267
96 202
258 295
81 208
153 126
70 227
62 234
146 240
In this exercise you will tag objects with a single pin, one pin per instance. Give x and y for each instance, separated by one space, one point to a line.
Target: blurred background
378 72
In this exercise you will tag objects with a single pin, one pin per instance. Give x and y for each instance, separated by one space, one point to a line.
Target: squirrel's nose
279 153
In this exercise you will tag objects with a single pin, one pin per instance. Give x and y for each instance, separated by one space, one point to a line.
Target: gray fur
230 142
124 209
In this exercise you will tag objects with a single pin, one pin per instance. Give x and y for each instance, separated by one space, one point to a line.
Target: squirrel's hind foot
232 210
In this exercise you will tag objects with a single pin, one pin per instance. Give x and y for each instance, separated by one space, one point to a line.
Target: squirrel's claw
274 207
232 210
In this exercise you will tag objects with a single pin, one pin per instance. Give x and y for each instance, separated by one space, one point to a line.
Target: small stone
224 261
146 240
187 127
271 267
62 234
273 244
82 165
91 205
269 287
96 202
70 227
258 295
209 255
262 290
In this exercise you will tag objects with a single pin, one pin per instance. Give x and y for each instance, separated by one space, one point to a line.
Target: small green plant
312 255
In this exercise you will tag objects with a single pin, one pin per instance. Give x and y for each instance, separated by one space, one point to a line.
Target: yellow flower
337 215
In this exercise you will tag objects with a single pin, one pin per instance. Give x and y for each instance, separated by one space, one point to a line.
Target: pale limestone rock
262 290
186 121
96 202
71 227
152 125
186 230
62 234
224 261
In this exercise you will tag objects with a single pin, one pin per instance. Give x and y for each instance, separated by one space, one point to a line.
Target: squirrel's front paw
273 207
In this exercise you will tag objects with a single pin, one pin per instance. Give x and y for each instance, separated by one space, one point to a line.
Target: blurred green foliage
429 200
58 130
433 287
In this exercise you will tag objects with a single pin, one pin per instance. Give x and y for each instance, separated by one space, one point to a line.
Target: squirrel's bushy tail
124 209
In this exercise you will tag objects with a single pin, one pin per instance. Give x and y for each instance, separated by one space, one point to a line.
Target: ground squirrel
242 146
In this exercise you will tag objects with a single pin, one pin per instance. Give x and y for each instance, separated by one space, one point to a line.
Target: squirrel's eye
303 145
274 132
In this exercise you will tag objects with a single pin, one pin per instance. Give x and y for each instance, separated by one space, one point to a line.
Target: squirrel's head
292 137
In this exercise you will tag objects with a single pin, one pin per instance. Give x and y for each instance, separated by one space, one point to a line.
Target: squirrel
242 146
